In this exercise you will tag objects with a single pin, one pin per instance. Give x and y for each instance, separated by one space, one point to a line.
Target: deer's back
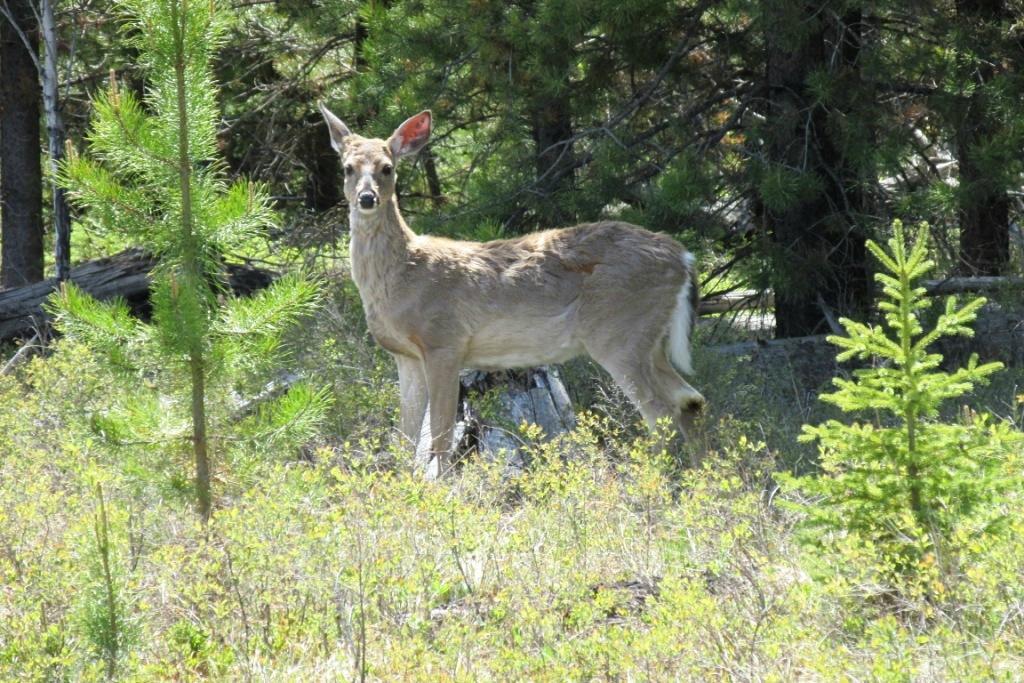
534 299
593 252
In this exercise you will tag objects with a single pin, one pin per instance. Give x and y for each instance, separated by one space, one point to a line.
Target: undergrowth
604 561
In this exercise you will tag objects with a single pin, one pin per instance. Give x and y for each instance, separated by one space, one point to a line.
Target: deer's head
369 163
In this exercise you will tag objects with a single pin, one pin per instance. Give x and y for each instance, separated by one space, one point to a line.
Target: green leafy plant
103 613
908 485
153 176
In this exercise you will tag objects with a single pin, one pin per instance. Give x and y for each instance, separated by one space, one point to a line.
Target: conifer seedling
906 484
152 177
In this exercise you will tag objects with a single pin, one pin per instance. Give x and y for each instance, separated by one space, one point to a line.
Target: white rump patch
681 322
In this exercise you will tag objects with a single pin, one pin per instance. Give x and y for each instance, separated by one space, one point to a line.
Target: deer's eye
386 169
349 170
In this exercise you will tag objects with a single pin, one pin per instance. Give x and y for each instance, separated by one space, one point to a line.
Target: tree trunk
433 179
368 105
55 137
361 35
549 112
552 133
820 254
551 119
192 270
21 180
322 188
984 204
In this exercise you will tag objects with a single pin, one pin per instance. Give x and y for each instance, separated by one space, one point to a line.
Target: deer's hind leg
643 372
687 402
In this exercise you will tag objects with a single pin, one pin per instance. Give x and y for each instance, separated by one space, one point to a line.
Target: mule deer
623 295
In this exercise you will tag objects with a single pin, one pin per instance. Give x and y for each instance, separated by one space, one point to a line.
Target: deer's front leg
441 369
413 388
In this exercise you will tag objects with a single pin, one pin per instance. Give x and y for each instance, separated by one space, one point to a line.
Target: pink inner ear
417 128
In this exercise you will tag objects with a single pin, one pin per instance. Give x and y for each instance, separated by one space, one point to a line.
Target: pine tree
153 177
547 112
817 144
955 73
910 483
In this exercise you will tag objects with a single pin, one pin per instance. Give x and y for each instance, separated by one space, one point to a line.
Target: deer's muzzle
367 200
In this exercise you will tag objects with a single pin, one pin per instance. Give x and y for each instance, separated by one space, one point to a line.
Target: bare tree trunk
21 181
55 136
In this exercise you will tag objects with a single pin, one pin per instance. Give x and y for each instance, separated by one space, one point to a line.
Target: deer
623 295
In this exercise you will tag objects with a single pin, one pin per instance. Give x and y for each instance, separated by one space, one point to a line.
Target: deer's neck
379 248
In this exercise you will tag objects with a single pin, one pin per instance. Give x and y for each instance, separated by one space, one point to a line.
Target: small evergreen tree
154 177
908 485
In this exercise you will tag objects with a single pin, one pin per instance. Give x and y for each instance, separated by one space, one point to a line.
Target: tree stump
492 405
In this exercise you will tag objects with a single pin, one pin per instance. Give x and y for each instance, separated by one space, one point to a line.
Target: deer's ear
339 131
410 137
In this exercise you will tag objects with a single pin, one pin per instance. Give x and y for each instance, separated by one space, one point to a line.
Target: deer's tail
683 320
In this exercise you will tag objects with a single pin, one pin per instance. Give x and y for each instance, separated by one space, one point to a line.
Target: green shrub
600 562
914 491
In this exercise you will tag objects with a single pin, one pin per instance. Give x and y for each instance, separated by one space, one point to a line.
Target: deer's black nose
367 200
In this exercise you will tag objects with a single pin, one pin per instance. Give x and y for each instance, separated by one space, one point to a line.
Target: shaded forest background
773 138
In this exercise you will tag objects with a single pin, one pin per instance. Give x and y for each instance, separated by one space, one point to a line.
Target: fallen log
739 300
978 284
124 275
745 299
998 336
